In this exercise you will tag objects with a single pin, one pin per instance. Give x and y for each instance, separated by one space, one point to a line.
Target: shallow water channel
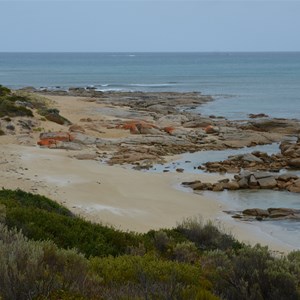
286 231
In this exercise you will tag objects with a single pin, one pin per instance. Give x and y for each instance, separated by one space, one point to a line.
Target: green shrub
20 262
32 269
37 101
207 236
8 108
52 114
185 252
149 277
252 273
19 198
4 91
40 218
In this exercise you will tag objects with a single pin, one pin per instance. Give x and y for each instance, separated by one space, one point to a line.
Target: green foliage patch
195 260
20 104
40 218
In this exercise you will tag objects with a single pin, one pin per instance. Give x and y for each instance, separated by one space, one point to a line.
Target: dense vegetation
8 104
48 253
20 104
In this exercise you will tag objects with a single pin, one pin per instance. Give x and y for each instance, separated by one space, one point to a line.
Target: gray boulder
267 182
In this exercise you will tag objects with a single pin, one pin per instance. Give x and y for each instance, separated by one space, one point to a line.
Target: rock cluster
139 127
256 116
288 158
160 124
285 126
251 180
255 161
292 152
266 214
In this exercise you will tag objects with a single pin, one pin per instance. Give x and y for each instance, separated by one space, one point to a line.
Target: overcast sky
99 26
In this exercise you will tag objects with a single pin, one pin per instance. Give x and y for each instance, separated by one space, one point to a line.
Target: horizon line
213 51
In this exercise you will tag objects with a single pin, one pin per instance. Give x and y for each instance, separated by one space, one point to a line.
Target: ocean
241 83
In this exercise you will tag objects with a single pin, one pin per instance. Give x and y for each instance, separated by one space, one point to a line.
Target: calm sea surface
242 83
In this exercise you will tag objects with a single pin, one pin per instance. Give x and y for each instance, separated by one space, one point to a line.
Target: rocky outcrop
284 126
212 129
76 128
51 139
251 161
139 127
266 214
251 180
161 123
256 116
289 158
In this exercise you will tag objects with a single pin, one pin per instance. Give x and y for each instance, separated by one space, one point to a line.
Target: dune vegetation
46 252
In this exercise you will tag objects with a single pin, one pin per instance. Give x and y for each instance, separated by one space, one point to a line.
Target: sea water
241 83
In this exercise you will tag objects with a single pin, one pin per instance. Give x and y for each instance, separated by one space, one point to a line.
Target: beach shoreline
115 195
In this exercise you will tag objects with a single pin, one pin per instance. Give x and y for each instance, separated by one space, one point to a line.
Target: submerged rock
266 214
255 180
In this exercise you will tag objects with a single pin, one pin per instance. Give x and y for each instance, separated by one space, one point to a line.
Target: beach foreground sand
122 197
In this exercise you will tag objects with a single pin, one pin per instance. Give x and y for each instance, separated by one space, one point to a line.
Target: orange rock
135 125
46 142
48 139
169 129
57 136
211 129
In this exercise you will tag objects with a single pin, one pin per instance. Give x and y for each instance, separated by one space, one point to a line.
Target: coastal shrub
53 115
161 241
294 259
207 236
2 213
31 270
20 262
195 260
15 98
251 273
4 91
37 101
185 252
20 198
62 295
149 277
39 218
8 108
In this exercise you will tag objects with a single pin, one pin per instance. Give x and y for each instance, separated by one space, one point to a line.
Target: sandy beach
115 195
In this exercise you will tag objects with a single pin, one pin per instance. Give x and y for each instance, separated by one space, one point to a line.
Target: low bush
31 270
40 218
195 260
8 108
207 236
252 273
4 91
150 277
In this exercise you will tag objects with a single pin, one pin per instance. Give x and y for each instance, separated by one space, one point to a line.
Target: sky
148 26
